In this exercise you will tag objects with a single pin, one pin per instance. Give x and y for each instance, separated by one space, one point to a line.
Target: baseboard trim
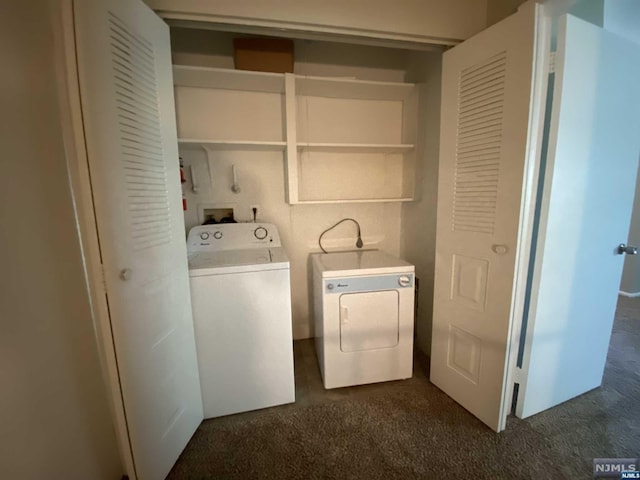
630 295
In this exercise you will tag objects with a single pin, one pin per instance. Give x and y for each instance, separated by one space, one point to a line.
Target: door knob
500 249
628 249
125 274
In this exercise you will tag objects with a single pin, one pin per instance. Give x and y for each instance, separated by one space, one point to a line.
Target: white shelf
222 78
353 89
356 147
233 144
361 200
341 109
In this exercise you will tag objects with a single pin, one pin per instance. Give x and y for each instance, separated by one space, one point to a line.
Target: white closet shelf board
356 200
352 89
233 144
356 147
222 78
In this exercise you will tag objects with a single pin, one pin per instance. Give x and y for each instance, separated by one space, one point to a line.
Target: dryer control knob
404 281
204 235
217 235
329 286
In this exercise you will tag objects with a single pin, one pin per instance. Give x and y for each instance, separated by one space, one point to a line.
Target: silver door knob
628 249
125 274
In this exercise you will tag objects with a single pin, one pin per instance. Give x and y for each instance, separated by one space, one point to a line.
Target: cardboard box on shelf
263 54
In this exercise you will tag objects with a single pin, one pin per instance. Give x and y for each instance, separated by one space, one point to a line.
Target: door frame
77 163
68 88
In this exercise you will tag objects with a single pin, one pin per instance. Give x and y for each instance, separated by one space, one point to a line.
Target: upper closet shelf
353 89
355 147
233 144
222 78
356 200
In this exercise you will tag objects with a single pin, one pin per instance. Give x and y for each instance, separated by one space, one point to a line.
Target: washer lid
366 262
234 261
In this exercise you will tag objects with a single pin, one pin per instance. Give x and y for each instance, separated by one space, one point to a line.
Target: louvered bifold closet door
126 90
141 143
486 94
478 146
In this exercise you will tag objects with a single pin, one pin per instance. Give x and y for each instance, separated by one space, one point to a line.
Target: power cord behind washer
359 243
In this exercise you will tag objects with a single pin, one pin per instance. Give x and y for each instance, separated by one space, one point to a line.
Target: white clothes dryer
364 309
241 297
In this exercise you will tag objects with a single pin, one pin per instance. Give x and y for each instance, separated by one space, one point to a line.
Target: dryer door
368 320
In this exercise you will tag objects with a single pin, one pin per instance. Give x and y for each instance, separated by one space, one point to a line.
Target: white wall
54 420
261 174
623 18
419 218
417 20
499 9
590 10
210 48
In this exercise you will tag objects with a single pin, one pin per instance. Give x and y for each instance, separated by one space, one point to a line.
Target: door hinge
552 62
103 277
518 375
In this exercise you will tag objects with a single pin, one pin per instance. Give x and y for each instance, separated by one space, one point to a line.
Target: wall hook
235 188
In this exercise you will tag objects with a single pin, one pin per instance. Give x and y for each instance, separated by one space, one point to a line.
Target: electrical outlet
258 212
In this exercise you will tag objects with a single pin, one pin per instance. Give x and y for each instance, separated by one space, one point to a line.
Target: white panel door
369 320
589 186
127 103
486 96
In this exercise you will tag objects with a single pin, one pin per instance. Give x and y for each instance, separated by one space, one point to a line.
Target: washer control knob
204 235
217 235
404 281
329 286
260 233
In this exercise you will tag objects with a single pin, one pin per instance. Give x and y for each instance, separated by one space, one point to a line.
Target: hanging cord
359 243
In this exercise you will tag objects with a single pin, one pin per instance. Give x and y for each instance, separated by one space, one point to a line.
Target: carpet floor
410 429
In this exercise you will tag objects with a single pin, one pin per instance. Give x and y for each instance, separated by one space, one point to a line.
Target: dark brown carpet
410 429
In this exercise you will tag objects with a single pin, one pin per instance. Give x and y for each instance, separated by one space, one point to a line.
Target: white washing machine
363 317
241 297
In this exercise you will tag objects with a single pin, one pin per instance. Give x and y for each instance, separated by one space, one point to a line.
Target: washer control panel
232 236
260 233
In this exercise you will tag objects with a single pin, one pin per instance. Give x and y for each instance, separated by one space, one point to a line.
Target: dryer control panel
368 283
232 236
